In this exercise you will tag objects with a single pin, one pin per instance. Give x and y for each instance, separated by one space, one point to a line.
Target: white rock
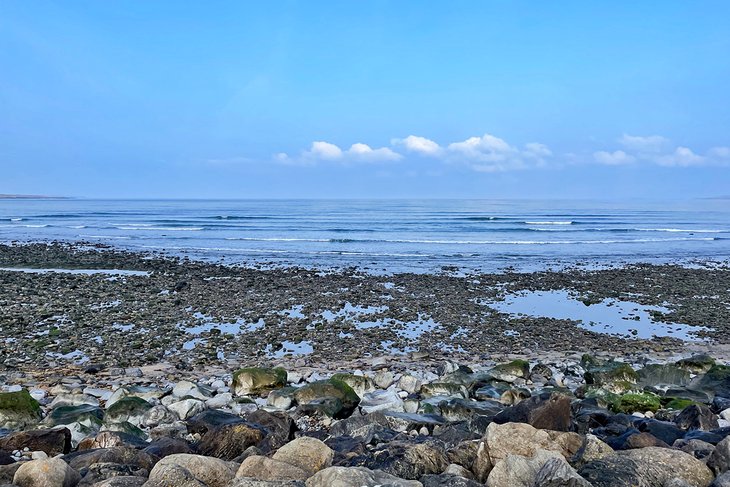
219 400
187 408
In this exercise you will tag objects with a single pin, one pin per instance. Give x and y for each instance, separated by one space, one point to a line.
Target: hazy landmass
28 197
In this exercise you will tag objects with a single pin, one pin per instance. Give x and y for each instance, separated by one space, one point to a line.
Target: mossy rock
603 397
318 393
125 427
667 374
678 403
697 364
85 413
637 402
359 383
447 389
510 371
716 381
255 380
617 377
18 410
589 361
128 408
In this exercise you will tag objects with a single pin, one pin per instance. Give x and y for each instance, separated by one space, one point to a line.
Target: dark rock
697 364
696 417
546 411
722 480
641 440
51 441
365 427
210 419
122 481
463 410
99 472
120 455
334 398
408 421
280 428
706 436
716 381
719 461
405 459
697 448
663 375
110 439
167 446
587 415
7 472
345 448
63 415
646 467
231 440
665 431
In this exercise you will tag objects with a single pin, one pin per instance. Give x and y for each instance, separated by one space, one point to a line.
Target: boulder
719 460
546 411
187 408
592 449
18 410
722 480
615 377
716 381
230 440
255 380
636 402
650 467
50 472
332 397
357 477
51 441
164 447
359 383
381 401
519 471
663 375
510 372
448 480
264 468
696 417
309 454
697 448
210 472
110 439
251 482
697 364
122 481
409 383
119 455
408 460
131 409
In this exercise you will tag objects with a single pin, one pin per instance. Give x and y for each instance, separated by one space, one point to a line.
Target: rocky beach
127 369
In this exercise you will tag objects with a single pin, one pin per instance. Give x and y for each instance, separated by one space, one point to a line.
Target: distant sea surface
387 235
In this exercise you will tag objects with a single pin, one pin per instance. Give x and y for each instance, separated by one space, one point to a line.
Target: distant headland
30 197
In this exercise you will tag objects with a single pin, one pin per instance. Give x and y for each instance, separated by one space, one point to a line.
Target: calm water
397 235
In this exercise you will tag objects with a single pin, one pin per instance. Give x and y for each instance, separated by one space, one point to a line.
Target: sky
376 99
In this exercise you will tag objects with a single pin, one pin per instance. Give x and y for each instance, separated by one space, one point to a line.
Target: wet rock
122 481
158 415
696 417
18 410
149 394
251 482
716 381
110 439
185 389
279 428
409 383
638 440
99 472
230 440
649 467
697 364
637 402
665 431
281 398
722 480
51 441
384 379
592 449
407 422
208 471
663 375
519 471
364 427
546 411
66 399
264 468
357 477
255 380
49 472
210 419
445 389
463 410
334 398
309 454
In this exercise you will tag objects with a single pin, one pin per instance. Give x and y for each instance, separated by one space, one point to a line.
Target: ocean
387 235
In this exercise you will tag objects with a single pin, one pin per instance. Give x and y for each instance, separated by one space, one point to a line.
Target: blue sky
365 99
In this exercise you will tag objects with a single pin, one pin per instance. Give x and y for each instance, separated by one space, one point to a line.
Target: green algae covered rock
359 383
336 398
715 382
637 402
18 410
616 377
255 380
697 364
511 371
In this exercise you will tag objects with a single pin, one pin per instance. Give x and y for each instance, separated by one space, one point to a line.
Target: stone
334 398
519 471
279 428
722 480
384 379
281 398
309 454
510 372
662 375
556 472
592 449
185 388
264 468
357 477
696 417
122 481
715 381
51 472
18 410
99 472
546 411
359 383
50 441
251 482
131 409
408 460
230 440
164 447
158 415
445 389
697 364
381 401
119 455
66 399
615 377
651 466
697 448
637 402
409 383
523 440
448 480
255 380
211 472
719 460
187 408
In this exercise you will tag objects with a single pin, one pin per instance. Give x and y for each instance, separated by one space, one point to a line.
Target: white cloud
489 153
719 153
420 145
651 143
682 156
615 158
321 151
